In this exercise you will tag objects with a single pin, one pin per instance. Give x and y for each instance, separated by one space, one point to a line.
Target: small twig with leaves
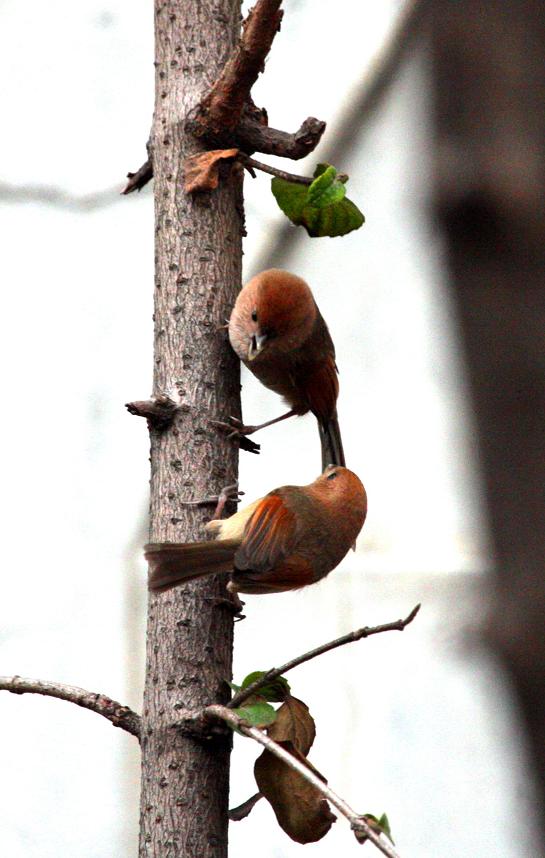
351 637
119 715
357 822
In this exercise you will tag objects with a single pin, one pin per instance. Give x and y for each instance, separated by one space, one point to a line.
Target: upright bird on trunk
278 332
292 537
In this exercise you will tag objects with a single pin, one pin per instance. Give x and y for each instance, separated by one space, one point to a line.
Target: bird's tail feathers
172 563
332 445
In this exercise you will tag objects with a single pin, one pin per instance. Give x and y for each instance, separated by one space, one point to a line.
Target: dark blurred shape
489 67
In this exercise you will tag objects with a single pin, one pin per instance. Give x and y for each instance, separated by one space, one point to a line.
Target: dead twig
139 179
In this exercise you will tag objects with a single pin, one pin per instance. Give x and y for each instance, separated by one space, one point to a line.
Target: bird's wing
269 537
322 388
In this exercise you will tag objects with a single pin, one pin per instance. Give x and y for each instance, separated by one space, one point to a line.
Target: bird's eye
332 475
254 315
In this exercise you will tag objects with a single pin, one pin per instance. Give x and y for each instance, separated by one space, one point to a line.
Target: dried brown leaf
294 724
302 812
201 171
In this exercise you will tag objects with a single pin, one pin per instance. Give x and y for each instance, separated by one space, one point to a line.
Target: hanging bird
278 332
292 537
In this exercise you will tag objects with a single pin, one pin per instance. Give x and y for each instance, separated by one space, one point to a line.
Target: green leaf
291 197
384 824
320 168
325 190
321 207
381 825
232 686
274 691
257 714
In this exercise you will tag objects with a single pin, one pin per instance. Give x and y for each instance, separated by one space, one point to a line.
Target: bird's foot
227 493
235 428
233 604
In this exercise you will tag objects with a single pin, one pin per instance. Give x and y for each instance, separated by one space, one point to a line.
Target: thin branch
351 637
357 823
252 164
120 716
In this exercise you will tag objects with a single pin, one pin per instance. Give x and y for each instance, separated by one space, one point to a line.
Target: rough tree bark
198 271
490 110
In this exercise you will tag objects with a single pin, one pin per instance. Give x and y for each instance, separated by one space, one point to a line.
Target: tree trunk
198 270
490 111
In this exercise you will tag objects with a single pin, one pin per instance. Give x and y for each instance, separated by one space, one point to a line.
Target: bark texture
490 112
184 800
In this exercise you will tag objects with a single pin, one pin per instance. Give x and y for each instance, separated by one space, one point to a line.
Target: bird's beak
256 345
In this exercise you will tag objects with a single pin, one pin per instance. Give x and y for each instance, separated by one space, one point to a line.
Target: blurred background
421 726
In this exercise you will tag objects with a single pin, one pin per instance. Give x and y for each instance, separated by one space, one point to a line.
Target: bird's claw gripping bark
227 493
237 430
234 427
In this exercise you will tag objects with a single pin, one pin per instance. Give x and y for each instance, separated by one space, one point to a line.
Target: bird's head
341 489
274 312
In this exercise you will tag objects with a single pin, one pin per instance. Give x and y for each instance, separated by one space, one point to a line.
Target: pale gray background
422 725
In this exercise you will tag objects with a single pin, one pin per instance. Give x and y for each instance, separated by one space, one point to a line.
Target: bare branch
220 111
252 136
137 180
351 637
120 716
357 822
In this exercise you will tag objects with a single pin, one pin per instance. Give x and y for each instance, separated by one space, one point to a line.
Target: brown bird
278 332
292 537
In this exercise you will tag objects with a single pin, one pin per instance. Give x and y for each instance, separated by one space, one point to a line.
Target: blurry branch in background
351 637
488 196
120 716
361 102
359 825
59 198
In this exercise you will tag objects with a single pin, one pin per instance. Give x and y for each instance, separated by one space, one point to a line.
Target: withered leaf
201 171
302 812
294 724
